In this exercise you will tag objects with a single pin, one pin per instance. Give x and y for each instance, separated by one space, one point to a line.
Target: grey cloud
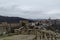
30 8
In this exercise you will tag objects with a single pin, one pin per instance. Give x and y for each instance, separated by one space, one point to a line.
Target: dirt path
20 37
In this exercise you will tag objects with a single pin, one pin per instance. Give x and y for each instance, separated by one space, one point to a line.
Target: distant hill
11 19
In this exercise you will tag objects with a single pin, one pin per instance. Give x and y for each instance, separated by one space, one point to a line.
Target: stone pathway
20 37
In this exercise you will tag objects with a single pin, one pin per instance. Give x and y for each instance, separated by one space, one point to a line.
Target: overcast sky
30 8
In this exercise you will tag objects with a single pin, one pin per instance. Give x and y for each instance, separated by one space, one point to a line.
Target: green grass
7 35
